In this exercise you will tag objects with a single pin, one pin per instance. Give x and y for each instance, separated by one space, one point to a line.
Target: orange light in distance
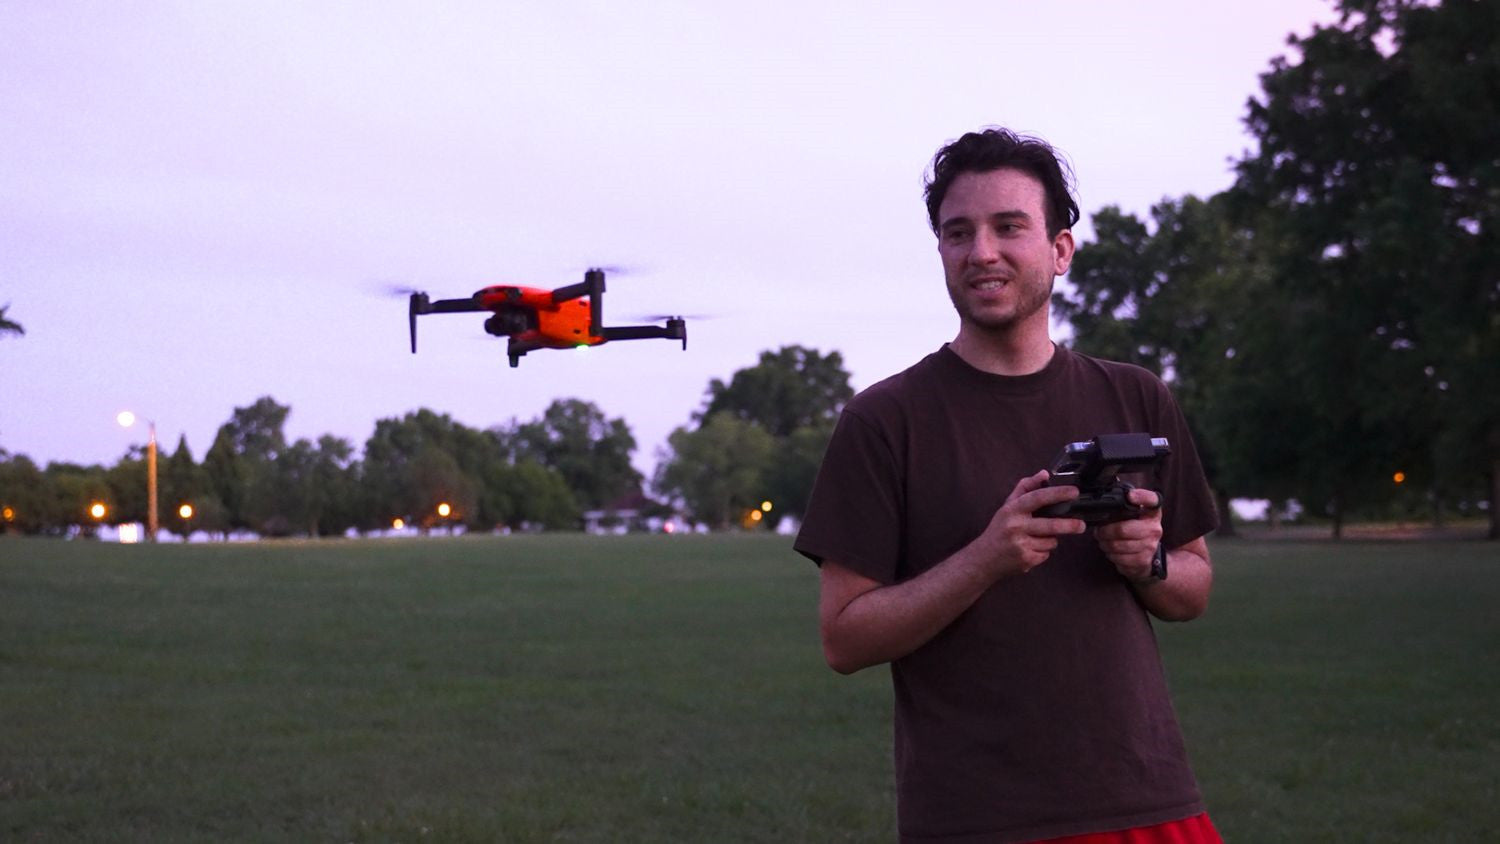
1399 477
185 511
444 510
398 523
98 510
8 514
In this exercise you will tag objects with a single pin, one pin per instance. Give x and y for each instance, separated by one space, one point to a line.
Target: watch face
1159 563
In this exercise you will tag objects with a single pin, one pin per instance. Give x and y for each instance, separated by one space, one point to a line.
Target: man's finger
1027 484
1048 526
1148 498
1038 498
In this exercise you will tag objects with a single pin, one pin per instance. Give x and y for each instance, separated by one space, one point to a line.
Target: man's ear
1062 251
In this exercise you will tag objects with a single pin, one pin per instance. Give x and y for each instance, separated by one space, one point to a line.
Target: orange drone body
533 318
557 325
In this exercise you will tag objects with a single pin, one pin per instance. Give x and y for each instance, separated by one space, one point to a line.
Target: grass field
570 688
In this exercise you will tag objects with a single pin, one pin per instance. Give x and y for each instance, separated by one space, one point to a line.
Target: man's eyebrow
1016 215
1011 216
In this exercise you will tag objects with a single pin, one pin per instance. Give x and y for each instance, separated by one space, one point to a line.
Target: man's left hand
1130 544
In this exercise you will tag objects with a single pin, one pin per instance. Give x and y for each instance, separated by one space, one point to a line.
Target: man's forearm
888 622
1183 596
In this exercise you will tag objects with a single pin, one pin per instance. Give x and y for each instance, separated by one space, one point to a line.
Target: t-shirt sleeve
854 516
1188 508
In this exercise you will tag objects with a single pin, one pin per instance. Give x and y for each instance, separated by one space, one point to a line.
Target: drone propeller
616 269
664 317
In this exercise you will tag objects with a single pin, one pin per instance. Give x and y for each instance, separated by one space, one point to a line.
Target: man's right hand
1017 541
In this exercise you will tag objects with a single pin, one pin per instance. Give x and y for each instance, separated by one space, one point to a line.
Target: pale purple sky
197 199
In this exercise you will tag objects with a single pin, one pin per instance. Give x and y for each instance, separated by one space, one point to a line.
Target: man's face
997 256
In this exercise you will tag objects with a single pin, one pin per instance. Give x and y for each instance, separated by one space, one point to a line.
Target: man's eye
956 235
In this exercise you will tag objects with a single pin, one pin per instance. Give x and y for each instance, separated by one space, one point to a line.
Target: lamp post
126 419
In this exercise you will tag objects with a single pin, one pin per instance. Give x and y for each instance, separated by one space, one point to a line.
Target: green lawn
569 688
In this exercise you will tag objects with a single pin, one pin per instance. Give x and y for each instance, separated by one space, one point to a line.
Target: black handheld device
1094 467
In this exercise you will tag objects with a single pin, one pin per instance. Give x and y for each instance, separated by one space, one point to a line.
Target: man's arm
1130 544
864 622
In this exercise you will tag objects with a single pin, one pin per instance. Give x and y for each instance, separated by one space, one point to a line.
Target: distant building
634 512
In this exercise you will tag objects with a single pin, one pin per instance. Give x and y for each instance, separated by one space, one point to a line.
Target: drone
533 318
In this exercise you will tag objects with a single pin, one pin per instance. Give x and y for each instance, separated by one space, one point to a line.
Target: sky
203 203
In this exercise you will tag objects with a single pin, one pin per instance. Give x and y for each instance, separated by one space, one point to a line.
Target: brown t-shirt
1042 710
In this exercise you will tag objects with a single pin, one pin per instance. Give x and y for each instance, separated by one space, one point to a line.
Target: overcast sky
199 201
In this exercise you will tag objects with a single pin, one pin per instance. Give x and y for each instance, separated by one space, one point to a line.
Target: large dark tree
1377 169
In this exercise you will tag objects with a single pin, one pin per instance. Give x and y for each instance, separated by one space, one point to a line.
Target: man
1030 698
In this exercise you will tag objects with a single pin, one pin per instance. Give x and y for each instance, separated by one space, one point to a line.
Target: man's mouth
987 284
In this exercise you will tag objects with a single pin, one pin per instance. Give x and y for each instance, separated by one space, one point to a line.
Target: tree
241 462
718 470
316 486
591 452
74 489
1376 171
792 468
791 388
532 494
26 501
794 394
413 464
183 481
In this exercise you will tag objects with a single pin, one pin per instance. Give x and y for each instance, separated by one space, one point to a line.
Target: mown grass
570 688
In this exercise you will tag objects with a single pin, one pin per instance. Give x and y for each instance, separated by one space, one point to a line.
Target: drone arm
675 329
420 305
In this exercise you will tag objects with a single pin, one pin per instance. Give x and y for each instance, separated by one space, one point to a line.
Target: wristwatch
1159 563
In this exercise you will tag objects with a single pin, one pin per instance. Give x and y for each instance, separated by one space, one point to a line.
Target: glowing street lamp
127 419
185 512
98 511
444 510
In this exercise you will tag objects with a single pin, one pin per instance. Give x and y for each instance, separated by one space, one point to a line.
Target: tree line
1330 324
757 439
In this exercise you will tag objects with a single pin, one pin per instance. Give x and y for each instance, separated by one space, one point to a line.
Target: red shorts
1195 830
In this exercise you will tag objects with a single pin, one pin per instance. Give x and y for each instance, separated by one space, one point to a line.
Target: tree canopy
1333 319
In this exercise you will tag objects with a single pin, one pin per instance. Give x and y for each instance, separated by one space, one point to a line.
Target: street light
127 419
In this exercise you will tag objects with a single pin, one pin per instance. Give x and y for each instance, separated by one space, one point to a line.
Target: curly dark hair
995 148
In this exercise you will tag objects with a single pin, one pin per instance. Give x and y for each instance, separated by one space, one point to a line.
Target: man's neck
1010 352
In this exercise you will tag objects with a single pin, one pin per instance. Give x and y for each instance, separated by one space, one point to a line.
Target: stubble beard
1034 298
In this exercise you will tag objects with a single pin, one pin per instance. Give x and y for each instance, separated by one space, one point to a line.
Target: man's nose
985 248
